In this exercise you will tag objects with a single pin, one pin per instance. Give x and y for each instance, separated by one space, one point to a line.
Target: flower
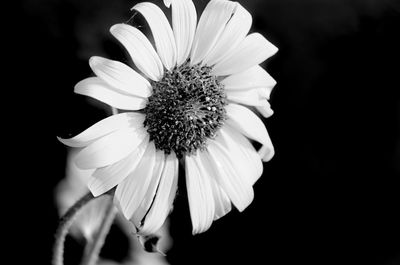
188 100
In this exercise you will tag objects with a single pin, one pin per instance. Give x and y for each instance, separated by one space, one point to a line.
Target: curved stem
93 250
65 223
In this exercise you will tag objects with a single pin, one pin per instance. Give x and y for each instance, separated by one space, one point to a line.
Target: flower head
187 101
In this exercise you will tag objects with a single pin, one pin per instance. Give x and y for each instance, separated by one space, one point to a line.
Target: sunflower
189 99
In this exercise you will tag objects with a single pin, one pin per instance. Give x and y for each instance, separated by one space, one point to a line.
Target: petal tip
273 48
95 187
266 153
167 3
114 28
95 192
67 141
62 140
94 60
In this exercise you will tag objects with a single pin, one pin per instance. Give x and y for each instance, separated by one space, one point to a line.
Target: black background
329 196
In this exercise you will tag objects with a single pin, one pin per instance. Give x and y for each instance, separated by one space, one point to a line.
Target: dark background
329 196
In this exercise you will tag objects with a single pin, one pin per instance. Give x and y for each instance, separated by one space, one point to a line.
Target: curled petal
246 122
266 152
265 110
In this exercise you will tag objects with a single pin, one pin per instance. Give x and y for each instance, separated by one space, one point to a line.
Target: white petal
254 77
211 25
104 127
168 3
151 191
247 161
98 89
120 76
266 152
238 189
162 32
184 19
265 110
251 97
200 195
140 49
110 148
131 191
222 202
253 50
164 198
235 31
246 122
105 178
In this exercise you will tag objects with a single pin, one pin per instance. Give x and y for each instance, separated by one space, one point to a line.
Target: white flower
188 101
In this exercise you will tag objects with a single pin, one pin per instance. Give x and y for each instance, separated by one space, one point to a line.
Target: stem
93 250
65 223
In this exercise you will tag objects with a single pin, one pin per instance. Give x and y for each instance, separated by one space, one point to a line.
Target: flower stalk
65 223
93 248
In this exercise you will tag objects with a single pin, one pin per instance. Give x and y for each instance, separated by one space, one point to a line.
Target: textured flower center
187 107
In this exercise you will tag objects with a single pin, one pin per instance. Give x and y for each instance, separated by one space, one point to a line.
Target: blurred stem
93 249
65 223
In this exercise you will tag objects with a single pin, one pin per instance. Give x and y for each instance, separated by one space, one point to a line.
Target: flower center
186 108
